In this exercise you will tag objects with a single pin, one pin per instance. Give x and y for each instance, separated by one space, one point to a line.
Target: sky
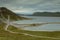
30 6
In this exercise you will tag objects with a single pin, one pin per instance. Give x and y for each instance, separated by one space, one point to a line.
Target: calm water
47 27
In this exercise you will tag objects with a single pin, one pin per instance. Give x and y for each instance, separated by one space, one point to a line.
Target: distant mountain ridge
51 14
5 12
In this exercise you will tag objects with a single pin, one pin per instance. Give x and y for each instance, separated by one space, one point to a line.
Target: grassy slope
4 35
5 12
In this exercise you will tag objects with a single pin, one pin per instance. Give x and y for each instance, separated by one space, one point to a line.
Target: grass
5 35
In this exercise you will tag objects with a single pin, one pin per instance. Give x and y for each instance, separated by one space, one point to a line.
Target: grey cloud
31 4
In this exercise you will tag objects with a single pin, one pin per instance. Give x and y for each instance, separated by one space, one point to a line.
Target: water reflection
47 27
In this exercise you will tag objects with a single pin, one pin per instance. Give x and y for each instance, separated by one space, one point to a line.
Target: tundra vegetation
9 31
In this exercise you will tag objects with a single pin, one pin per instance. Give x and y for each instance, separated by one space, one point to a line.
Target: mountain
51 14
4 13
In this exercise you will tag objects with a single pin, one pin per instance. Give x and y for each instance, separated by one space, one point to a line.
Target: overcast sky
29 6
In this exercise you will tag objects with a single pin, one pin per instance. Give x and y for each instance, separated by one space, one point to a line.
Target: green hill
50 14
4 12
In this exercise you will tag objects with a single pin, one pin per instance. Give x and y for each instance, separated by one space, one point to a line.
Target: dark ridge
48 14
13 16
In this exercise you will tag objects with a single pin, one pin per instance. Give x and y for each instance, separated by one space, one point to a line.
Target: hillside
51 14
4 13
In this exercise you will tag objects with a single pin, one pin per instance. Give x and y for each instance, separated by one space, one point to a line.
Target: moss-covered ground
5 35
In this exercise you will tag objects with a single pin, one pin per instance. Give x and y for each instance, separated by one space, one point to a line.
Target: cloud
31 5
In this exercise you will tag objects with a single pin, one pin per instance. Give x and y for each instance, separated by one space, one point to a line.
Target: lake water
38 19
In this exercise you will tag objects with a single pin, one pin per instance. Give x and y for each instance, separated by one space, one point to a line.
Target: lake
38 19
